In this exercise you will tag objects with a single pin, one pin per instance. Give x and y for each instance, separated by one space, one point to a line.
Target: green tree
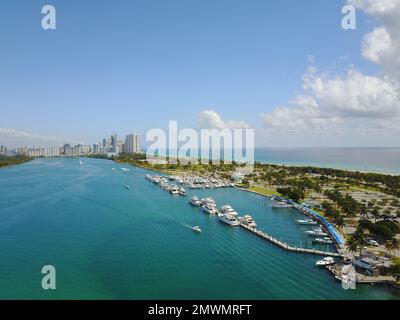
357 240
392 246
375 213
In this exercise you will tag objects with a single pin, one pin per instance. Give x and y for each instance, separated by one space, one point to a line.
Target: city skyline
261 66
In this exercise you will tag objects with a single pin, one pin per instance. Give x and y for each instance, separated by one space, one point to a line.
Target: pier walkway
287 247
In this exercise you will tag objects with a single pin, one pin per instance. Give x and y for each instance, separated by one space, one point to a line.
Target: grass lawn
264 191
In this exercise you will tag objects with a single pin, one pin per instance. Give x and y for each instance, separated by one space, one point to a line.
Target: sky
286 69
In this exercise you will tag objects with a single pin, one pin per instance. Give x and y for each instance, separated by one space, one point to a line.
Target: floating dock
287 247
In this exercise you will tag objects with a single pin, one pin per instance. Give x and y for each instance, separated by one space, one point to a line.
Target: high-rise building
132 143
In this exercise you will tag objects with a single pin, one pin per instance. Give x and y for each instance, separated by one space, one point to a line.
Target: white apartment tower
132 143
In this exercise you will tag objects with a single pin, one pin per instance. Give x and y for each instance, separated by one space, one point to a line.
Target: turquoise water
107 242
382 160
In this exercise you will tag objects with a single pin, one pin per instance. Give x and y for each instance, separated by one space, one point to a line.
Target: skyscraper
132 143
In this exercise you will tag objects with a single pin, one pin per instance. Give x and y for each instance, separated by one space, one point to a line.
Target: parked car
373 242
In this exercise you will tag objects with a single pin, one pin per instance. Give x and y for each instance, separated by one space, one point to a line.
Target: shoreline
390 284
10 165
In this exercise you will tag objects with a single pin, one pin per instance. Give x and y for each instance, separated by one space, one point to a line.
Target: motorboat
182 191
194 201
174 190
281 205
325 240
327 261
308 222
196 229
226 209
228 219
318 232
209 208
210 201
249 221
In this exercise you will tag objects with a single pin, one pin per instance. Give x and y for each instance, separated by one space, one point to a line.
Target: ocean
107 242
381 160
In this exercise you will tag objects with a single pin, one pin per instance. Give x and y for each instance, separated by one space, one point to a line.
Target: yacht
307 222
210 201
226 209
197 229
182 191
174 190
318 232
228 219
328 261
194 201
249 221
325 240
281 205
209 208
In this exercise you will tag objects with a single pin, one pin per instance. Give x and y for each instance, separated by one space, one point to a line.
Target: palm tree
339 221
392 246
375 213
357 241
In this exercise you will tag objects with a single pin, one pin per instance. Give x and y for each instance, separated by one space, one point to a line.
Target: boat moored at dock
194 201
317 232
307 222
248 221
327 261
325 240
228 219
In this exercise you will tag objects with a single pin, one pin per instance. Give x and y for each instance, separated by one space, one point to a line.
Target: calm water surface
107 242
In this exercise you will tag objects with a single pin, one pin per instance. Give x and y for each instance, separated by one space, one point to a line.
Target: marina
128 244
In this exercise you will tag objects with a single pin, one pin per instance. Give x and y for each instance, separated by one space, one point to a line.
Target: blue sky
128 66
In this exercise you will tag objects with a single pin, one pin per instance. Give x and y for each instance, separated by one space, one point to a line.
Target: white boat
226 209
325 240
125 169
281 205
249 221
174 190
325 262
197 229
208 201
182 191
307 222
127 187
228 219
194 201
210 209
318 232
80 162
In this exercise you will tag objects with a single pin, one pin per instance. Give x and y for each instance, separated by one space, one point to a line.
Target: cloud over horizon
209 119
21 138
354 105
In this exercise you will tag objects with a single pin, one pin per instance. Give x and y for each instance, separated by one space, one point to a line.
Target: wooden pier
287 247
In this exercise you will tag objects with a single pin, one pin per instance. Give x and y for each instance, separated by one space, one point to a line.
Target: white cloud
13 135
209 119
377 45
355 104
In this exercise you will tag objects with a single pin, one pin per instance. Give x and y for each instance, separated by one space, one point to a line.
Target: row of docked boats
322 236
281 203
163 183
199 182
225 214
